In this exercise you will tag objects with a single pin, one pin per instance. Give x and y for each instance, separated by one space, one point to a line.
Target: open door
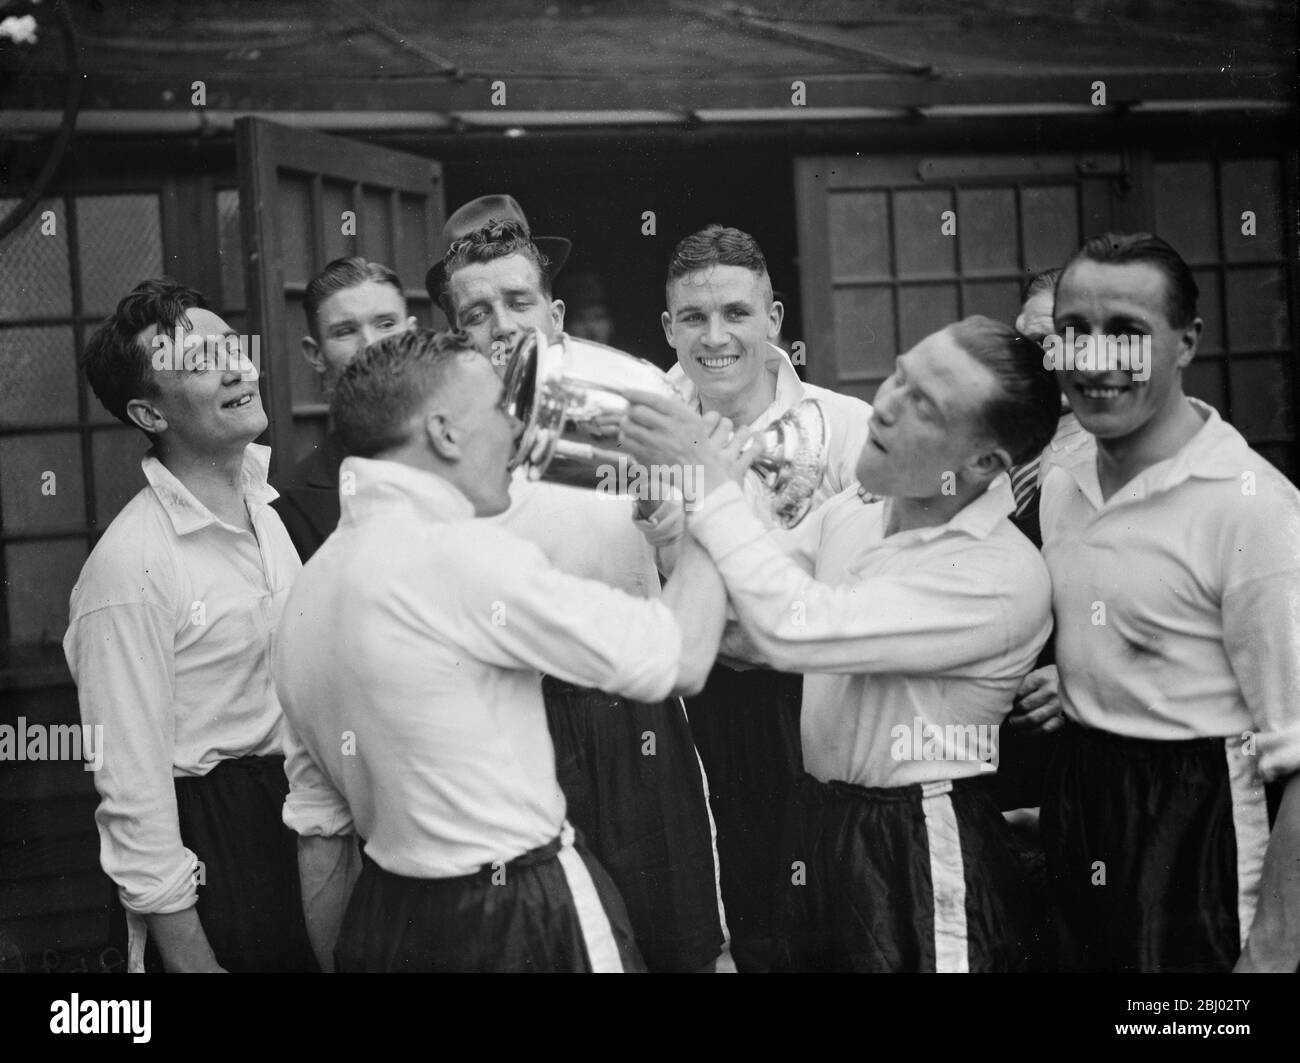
307 198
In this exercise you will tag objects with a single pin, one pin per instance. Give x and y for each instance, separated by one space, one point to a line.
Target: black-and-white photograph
688 486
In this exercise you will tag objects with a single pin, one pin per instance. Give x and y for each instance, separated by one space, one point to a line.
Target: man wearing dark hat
628 769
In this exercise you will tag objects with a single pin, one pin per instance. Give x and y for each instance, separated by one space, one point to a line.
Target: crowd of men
406 711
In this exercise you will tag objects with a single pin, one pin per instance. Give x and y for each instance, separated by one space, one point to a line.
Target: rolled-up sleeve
314 806
1261 628
520 611
919 621
121 658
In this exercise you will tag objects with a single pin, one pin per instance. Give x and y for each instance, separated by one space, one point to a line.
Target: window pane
230 246
923 309
1185 215
119 239
1049 221
34 276
40 382
32 500
918 222
118 476
41 576
1260 390
864 331
1257 318
986 230
1254 185
999 300
859 230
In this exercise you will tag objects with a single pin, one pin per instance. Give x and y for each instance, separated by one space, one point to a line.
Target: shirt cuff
723 522
664 526
173 891
1279 754
309 813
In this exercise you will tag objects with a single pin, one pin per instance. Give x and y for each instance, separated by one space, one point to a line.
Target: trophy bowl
570 396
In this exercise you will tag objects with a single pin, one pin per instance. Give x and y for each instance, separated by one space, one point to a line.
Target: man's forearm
327 869
698 600
1274 942
182 943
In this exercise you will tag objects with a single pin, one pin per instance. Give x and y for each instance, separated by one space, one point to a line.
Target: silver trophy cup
571 396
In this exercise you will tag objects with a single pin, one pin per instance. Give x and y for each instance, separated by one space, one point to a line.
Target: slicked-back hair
496 239
1039 283
1023 417
390 382
339 275
715 245
1120 249
117 364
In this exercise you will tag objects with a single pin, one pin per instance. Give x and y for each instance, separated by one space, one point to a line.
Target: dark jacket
309 496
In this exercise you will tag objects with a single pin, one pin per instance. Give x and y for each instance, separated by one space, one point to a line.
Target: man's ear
144 414
775 316
557 315
444 436
666 320
411 324
1188 342
984 467
312 352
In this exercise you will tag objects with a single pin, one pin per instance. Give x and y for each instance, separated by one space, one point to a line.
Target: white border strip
1250 825
597 935
947 879
713 845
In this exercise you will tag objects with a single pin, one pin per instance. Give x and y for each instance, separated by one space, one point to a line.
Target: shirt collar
977 519
186 512
369 486
1216 452
789 388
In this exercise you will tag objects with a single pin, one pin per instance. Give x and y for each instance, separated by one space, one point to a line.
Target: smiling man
628 767
722 321
169 643
915 615
1175 557
349 305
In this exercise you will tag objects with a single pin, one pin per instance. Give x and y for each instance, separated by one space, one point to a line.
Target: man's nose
716 335
882 405
503 324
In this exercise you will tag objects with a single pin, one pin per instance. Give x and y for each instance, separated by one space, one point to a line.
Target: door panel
296 188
